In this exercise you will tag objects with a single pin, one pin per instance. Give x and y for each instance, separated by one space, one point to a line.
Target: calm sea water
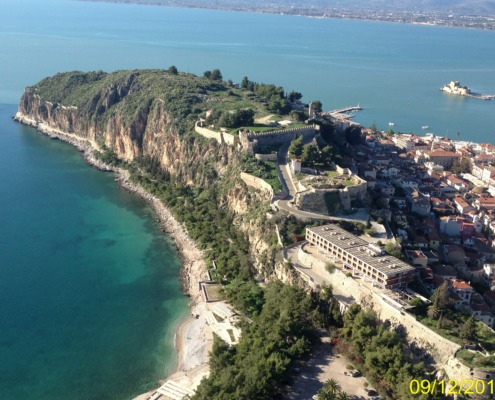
89 294
393 70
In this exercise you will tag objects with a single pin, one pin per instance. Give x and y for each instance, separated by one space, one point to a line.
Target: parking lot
322 366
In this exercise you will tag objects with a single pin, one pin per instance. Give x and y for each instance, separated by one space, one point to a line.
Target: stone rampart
458 372
440 348
313 201
220 137
266 157
251 141
257 183
350 193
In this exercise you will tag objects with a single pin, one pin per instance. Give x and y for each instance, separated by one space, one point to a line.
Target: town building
442 157
357 256
482 312
485 203
463 290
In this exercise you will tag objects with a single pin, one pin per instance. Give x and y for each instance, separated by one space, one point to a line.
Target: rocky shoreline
192 341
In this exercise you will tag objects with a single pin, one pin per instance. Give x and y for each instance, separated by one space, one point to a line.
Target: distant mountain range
460 7
467 13
464 7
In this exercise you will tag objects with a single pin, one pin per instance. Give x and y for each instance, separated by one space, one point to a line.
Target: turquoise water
89 295
393 70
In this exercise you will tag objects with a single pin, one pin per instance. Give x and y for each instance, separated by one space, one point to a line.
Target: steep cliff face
132 126
116 114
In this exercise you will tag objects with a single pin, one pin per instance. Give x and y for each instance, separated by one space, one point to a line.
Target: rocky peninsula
134 123
193 338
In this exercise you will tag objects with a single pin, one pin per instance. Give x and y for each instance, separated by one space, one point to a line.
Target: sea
89 292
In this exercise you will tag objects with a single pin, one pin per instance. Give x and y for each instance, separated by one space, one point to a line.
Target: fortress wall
357 191
252 140
303 131
208 133
345 199
266 157
257 183
228 138
220 137
312 201
440 348
457 371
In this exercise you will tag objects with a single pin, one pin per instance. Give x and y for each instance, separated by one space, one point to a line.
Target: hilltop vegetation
98 95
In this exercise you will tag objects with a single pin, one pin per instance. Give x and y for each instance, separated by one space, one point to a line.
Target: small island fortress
454 87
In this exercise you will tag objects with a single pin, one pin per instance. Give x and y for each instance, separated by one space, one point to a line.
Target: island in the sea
454 87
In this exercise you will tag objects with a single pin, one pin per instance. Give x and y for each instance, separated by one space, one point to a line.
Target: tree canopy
380 351
310 155
173 70
468 331
294 96
461 166
251 369
316 106
296 148
214 75
236 119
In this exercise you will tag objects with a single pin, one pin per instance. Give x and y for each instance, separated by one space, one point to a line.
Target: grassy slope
182 95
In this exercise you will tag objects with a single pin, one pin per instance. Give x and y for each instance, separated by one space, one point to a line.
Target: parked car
355 373
372 393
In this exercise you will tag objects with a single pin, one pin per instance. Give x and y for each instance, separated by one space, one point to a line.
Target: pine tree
296 148
468 330
245 82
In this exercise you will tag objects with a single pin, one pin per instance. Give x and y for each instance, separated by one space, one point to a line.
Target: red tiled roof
461 285
443 153
461 201
490 200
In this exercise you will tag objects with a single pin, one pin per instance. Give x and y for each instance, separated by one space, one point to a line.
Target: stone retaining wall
313 201
440 348
251 141
266 157
458 372
257 183
220 137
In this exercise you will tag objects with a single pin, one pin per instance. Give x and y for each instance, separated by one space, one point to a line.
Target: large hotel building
357 255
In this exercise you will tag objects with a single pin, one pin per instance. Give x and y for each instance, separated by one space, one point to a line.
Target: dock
343 110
